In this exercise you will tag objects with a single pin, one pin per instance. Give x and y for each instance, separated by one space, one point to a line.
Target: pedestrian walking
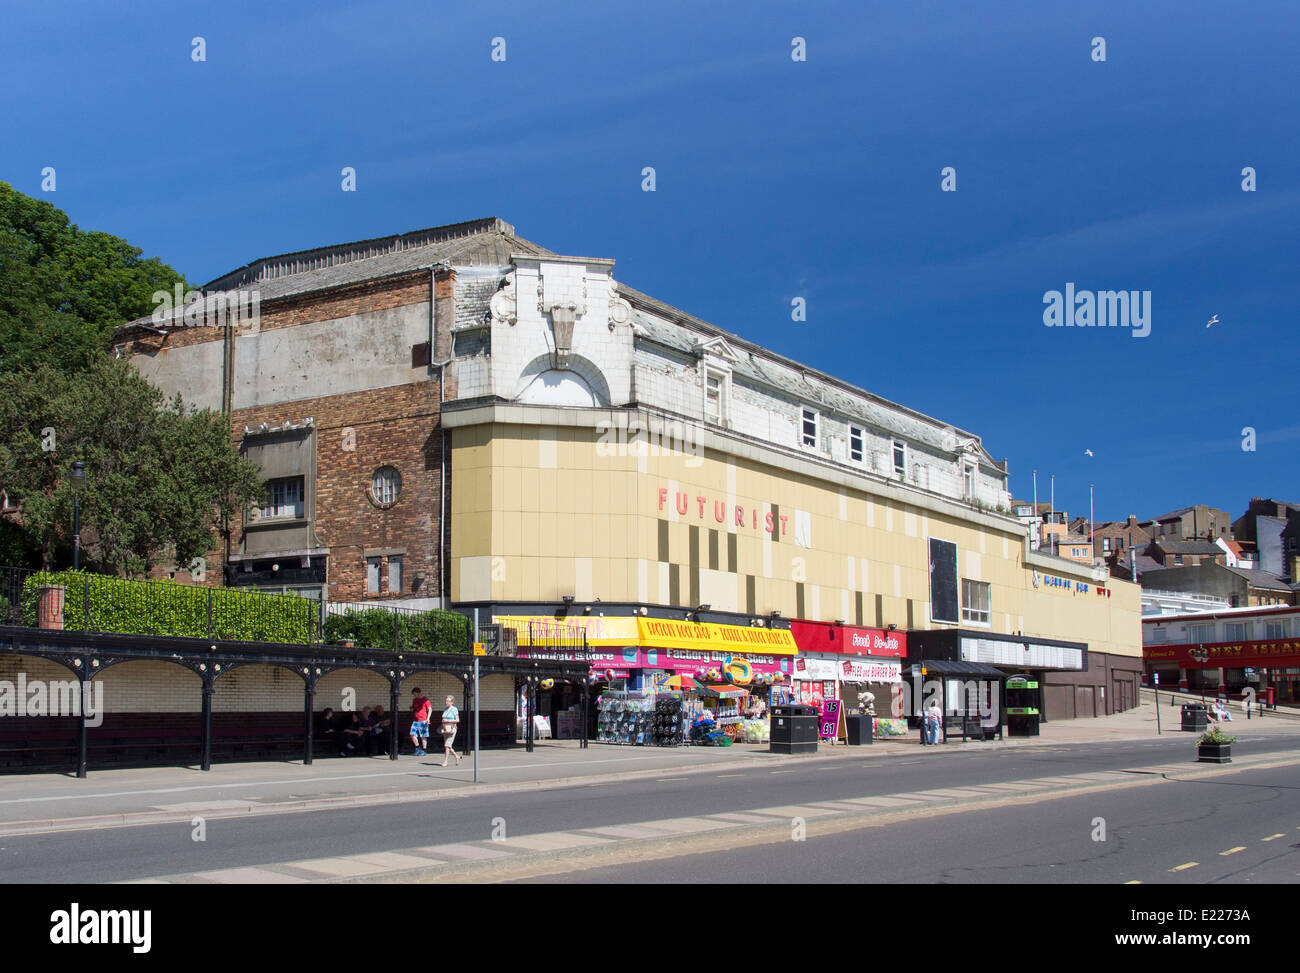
450 721
421 709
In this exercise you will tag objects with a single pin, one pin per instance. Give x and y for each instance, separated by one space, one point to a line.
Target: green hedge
101 603
372 628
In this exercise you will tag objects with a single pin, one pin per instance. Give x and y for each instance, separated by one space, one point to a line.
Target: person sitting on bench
352 737
369 738
327 733
383 724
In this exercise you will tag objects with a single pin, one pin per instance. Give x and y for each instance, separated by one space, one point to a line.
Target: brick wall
152 687
393 426
368 689
257 688
396 427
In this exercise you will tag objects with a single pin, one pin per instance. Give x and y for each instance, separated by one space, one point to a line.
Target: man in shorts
421 709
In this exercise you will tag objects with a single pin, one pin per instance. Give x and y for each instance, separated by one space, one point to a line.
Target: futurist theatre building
457 417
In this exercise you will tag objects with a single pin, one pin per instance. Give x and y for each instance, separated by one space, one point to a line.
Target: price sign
830 721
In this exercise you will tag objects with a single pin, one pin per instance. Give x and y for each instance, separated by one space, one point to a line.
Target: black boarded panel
943 581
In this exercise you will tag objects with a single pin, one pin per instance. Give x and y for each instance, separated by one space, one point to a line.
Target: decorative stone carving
503 304
620 311
563 317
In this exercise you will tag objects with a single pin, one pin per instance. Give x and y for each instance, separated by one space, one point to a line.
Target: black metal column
462 728
81 727
392 723
528 729
308 704
586 691
205 761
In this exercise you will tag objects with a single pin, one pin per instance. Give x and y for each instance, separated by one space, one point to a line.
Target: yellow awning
661 633
603 632
666 633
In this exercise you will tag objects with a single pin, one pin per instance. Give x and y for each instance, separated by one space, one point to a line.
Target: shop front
663 681
1267 670
858 669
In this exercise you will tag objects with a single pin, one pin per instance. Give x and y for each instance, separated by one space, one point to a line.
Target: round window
385 486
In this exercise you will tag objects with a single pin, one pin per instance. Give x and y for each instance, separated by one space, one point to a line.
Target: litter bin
859 729
1195 717
794 729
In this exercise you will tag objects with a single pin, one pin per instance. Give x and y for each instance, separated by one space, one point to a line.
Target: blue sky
775 180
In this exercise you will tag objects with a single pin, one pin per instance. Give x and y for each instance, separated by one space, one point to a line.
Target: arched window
385 486
559 387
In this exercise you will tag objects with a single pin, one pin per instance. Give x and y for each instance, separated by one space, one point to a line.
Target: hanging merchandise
625 717
670 721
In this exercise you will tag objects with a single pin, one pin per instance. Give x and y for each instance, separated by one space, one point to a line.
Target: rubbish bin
794 729
1195 717
859 729
1022 721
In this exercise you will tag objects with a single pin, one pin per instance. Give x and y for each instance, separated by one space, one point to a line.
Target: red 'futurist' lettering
682 503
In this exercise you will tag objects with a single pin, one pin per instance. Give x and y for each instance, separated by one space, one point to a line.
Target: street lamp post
78 486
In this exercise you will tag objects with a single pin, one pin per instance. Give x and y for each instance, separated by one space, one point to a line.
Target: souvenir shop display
891 727
757 730
705 731
670 727
626 718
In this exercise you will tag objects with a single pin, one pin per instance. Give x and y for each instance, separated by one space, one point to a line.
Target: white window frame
859 434
973 613
969 476
1200 633
724 396
392 491
895 446
1276 629
284 499
1237 631
803 432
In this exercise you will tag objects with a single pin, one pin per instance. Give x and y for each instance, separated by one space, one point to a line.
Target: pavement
43 803
1038 799
1179 829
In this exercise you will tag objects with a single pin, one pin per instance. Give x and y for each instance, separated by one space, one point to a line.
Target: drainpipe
442 451
442 489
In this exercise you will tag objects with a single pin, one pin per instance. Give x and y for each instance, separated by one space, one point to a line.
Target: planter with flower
1215 746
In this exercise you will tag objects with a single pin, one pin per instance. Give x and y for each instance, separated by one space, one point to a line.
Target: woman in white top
450 721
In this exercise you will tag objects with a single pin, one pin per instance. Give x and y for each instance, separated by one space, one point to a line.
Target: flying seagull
1087 452
1213 320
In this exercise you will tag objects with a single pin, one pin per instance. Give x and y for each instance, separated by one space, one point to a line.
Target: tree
63 290
160 478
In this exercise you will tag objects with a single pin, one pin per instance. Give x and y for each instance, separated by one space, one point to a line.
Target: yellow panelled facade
540 512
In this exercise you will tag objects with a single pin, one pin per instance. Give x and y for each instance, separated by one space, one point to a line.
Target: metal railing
375 625
83 602
11 594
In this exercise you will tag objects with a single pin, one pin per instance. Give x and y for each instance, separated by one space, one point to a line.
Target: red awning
724 692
